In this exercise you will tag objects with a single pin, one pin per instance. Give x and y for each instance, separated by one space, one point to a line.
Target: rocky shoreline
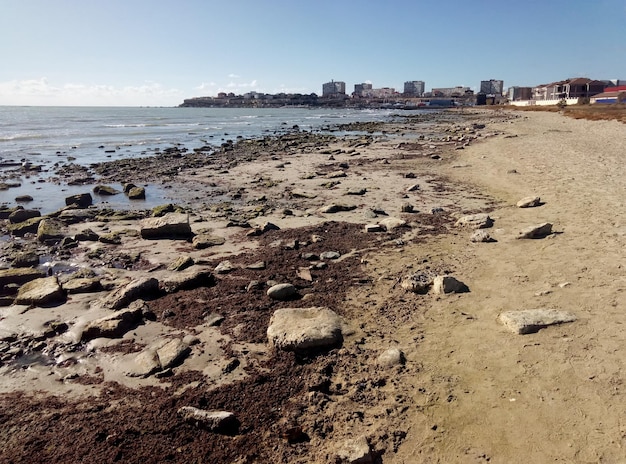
236 324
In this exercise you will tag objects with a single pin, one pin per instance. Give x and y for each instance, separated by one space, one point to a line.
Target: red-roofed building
579 87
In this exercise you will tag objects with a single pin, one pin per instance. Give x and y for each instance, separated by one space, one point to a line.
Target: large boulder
138 288
171 225
188 280
29 226
282 292
448 284
300 329
40 292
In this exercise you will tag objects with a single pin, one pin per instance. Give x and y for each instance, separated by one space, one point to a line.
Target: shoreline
312 407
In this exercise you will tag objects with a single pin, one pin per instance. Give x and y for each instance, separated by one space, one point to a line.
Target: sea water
45 136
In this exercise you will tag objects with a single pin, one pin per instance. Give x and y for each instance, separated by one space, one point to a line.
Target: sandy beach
347 224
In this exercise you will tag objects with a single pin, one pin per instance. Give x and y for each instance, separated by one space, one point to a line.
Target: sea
45 136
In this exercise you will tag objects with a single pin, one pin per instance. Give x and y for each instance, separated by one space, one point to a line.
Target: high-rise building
415 88
333 88
492 87
361 89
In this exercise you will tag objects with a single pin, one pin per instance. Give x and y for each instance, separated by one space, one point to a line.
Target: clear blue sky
157 53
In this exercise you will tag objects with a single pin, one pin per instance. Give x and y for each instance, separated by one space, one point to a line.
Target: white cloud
205 86
41 92
234 76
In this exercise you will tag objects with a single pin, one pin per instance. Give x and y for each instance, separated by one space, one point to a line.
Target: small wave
7 138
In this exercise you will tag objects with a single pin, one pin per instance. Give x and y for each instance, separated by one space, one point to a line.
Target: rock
29 226
114 325
300 329
40 292
475 221
282 292
407 208
82 285
392 223
172 352
202 241
188 280
448 284
537 231
330 255
137 193
23 198
336 174
182 263
74 216
374 228
269 226
50 230
224 267
532 320
214 421
336 208
171 225
87 235
21 215
258 266
105 190
529 202
356 191
481 236
128 187
82 200
302 194
25 259
413 188
355 451
19 276
145 363
391 357
417 283
138 288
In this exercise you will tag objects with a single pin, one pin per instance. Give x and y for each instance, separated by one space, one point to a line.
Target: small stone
392 223
330 255
475 221
373 228
224 267
481 236
391 357
537 231
448 284
529 202
356 451
214 421
413 188
282 292
183 262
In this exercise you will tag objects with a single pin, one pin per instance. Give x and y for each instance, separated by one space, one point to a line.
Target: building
613 94
492 87
361 89
451 92
579 87
333 88
414 88
519 93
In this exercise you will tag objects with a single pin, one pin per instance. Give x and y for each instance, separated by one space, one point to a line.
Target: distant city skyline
144 53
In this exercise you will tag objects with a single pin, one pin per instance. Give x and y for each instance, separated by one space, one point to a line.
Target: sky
158 52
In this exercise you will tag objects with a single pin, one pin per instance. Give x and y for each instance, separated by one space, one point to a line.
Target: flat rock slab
169 226
532 320
40 292
537 231
138 288
299 329
203 241
114 325
475 221
391 223
214 421
19 276
188 280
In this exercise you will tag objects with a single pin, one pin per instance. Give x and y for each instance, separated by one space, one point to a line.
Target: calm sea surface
82 135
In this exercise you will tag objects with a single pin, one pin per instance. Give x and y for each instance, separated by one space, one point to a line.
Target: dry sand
470 391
